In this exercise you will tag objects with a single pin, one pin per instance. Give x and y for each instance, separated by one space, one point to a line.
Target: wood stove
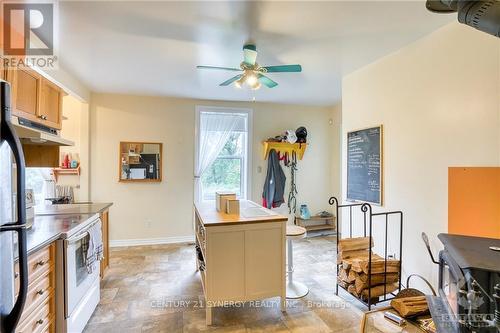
469 285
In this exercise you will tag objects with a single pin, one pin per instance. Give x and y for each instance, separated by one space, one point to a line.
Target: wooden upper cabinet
35 98
26 93
51 104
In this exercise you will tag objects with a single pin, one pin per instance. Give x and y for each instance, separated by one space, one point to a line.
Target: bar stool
294 289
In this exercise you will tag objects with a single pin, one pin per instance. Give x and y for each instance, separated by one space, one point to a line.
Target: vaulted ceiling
152 48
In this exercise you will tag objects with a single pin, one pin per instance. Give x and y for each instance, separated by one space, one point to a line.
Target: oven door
78 280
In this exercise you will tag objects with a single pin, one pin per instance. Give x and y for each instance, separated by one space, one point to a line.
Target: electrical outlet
147 223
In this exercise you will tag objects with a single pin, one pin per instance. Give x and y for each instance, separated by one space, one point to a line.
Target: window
227 171
36 179
222 159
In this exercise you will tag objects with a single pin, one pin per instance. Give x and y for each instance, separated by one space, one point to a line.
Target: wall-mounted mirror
140 161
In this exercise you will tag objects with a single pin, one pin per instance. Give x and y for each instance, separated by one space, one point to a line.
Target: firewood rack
368 222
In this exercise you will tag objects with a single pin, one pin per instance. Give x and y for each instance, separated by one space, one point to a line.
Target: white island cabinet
240 257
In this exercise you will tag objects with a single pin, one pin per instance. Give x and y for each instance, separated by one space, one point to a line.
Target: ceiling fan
253 73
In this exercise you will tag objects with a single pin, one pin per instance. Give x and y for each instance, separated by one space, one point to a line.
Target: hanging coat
274 186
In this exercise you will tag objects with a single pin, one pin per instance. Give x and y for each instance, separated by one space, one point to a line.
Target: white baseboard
151 241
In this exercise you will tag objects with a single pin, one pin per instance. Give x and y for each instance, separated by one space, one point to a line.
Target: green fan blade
220 68
231 80
250 56
283 68
267 81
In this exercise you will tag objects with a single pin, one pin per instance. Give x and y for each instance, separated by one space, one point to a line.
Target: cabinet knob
39 321
16 275
43 117
40 292
41 263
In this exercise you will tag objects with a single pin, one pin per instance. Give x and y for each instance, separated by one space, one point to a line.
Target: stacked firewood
353 261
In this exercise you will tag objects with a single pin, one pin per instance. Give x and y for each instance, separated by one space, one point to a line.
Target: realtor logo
28 29
29 34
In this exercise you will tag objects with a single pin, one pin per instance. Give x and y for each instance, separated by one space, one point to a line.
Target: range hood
36 134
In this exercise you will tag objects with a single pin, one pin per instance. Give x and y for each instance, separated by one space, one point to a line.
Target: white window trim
248 167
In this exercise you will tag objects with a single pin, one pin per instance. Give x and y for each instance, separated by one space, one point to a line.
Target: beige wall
336 146
438 100
76 129
164 211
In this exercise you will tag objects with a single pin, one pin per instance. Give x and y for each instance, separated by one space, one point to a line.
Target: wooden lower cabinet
39 310
105 242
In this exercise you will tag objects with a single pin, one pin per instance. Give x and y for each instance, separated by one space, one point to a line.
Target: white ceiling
152 48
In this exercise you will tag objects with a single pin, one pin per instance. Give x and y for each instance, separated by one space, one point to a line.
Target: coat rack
284 147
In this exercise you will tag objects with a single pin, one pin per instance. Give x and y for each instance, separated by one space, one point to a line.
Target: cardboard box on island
233 206
221 200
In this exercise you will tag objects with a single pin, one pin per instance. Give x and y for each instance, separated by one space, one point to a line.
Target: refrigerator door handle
9 135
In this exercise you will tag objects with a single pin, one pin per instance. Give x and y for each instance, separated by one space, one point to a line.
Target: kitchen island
240 257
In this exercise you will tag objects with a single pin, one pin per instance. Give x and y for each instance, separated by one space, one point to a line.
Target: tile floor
156 289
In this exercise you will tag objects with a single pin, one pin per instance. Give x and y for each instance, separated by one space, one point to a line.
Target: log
411 306
346 264
352 289
361 283
351 278
378 265
353 244
377 278
344 275
343 284
379 290
351 254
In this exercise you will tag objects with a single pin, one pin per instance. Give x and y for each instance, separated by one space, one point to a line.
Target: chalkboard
364 165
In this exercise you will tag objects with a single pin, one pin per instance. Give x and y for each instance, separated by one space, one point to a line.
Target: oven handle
83 234
75 239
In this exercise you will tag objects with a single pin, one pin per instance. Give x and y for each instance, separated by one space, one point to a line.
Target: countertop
250 212
84 208
47 229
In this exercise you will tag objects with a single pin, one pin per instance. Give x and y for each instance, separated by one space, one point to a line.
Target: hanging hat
301 134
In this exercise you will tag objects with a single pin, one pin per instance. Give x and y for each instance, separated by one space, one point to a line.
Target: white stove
81 292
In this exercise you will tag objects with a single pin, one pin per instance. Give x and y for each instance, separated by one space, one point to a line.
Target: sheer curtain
214 131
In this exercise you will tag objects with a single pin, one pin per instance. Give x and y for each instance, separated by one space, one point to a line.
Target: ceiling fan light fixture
256 86
251 79
251 73
239 83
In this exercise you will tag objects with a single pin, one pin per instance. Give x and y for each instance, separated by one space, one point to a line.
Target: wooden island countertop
250 212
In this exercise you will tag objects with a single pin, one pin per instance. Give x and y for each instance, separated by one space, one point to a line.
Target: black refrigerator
12 218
